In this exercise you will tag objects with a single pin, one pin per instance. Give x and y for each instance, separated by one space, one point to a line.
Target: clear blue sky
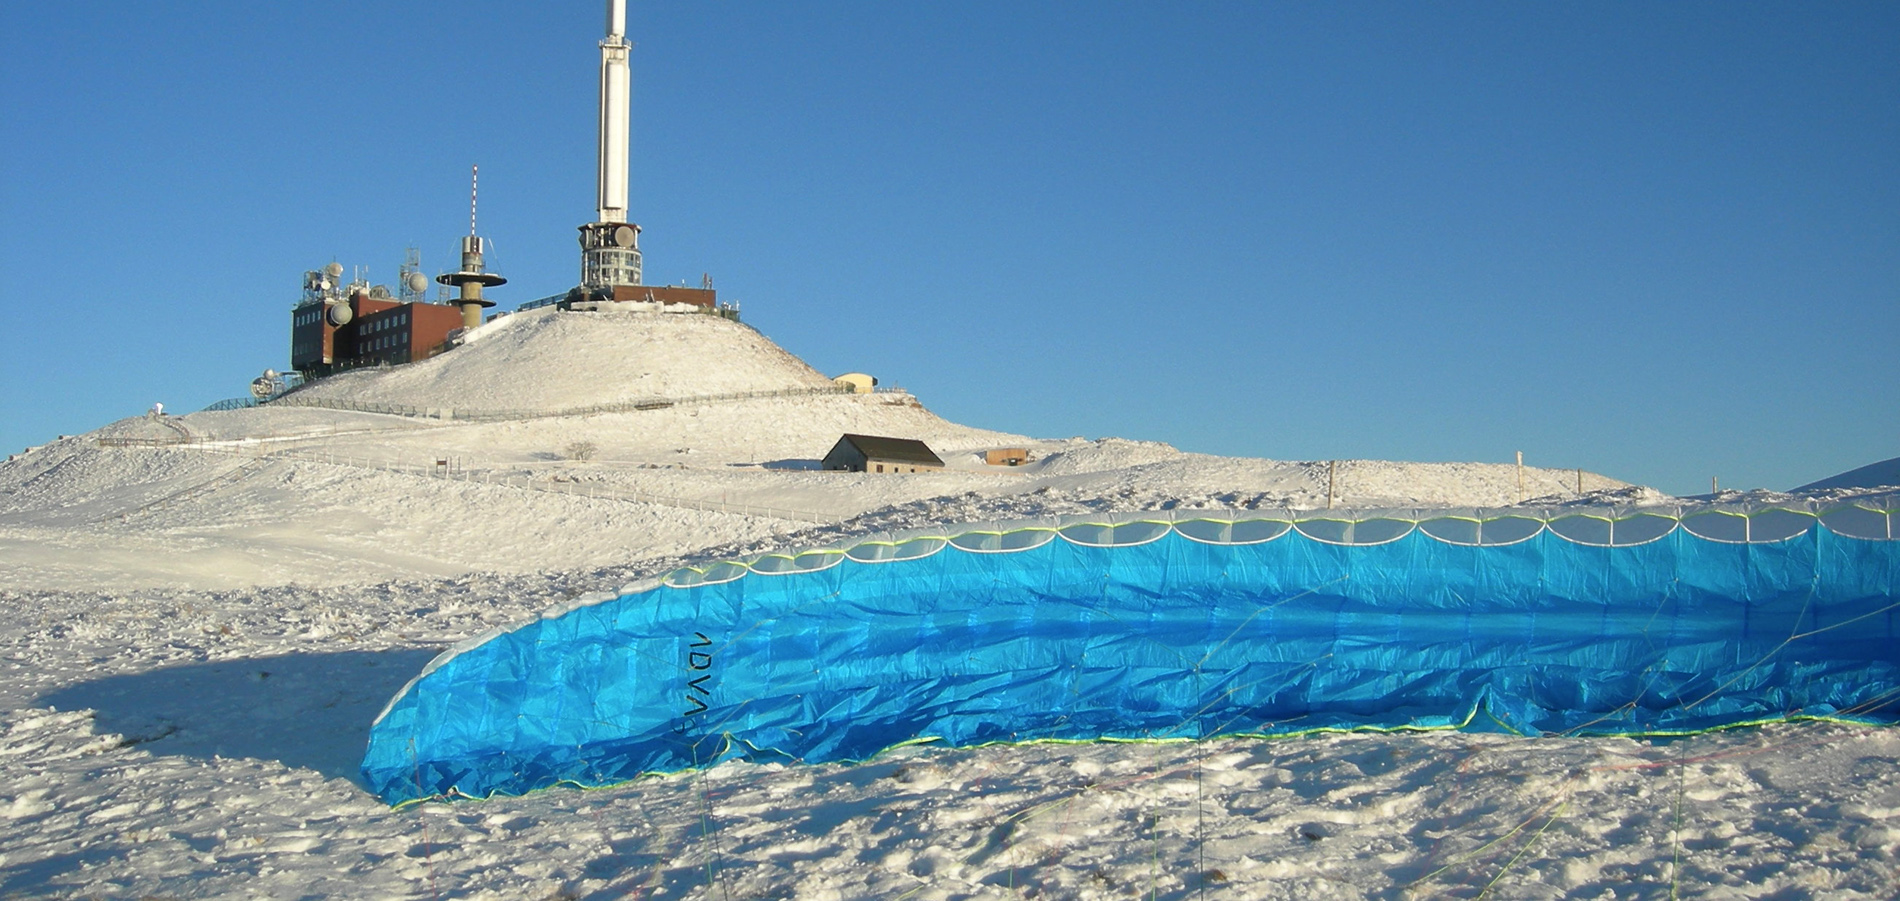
1656 240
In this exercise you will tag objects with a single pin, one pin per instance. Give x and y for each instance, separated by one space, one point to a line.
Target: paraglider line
1791 639
718 726
1651 674
1229 692
716 867
1675 837
1874 703
1200 809
428 848
1559 802
1528 845
1871 613
1256 614
1724 755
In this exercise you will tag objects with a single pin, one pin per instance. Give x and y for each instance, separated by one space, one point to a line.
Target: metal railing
656 402
167 441
288 382
450 413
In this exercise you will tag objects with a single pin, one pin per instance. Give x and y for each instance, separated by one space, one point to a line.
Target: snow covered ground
196 637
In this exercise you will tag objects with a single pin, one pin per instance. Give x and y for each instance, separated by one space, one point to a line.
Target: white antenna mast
615 81
474 181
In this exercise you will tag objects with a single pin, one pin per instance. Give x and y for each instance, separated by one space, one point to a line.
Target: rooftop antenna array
413 285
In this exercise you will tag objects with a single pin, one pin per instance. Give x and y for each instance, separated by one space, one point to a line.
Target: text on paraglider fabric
698 674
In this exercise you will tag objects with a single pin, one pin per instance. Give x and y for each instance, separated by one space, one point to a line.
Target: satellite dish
261 387
339 314
334 270
380 292
623 236
417 283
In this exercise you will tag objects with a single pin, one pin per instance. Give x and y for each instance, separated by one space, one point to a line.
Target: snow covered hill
321 496
546 359
197 635
1886 473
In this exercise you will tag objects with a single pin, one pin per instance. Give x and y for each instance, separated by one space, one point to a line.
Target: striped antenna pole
474 181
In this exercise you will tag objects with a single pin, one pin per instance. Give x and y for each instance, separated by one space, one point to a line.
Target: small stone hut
874 454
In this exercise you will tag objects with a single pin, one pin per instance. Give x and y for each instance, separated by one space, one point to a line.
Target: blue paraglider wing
1591 622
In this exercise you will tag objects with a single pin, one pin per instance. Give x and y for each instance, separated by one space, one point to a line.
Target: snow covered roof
902 450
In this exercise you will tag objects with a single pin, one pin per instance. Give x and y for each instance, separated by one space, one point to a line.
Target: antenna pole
472 277
615 84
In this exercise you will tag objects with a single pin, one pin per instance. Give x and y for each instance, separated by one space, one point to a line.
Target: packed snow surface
197 636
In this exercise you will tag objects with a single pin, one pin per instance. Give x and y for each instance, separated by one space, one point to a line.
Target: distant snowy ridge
1884 474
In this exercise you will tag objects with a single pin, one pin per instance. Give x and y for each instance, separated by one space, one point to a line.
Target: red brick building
371 330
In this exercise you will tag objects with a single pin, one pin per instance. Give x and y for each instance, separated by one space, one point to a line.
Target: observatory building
338 325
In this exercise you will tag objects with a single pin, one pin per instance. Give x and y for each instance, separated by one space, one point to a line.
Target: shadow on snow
305 710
